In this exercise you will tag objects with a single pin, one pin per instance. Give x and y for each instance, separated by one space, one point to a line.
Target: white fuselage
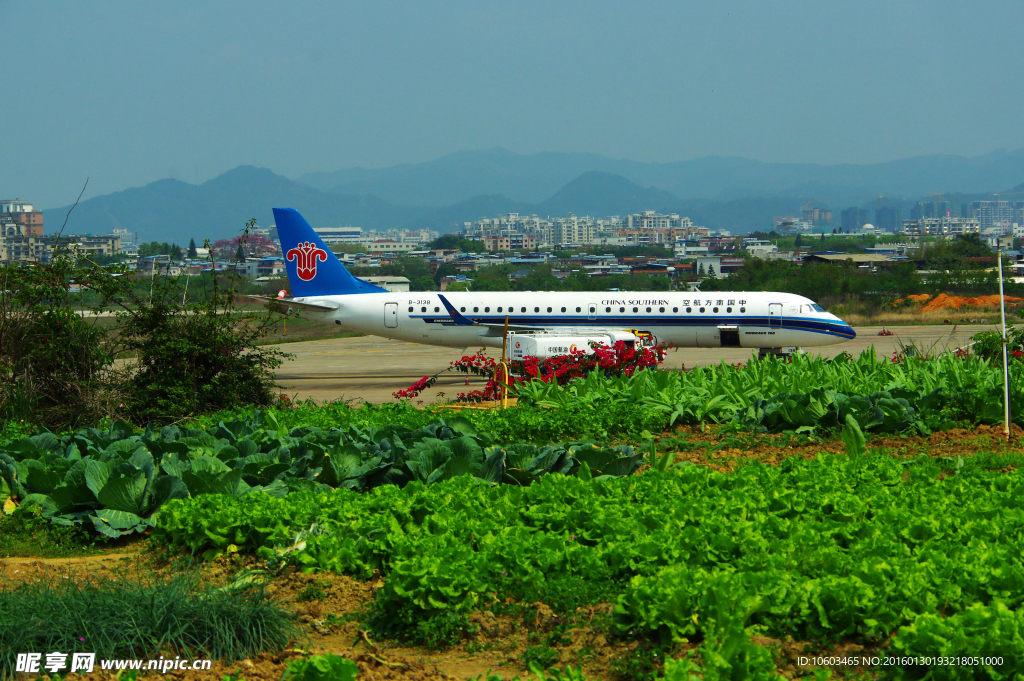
684 319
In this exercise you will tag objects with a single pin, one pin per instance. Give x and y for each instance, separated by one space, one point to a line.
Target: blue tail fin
312 269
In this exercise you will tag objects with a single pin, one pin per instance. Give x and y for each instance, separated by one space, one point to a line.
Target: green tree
700 270
450 241
711 271
189 354
192 253
444 270
155 248
798 242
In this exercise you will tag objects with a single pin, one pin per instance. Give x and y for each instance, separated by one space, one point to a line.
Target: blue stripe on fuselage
810 325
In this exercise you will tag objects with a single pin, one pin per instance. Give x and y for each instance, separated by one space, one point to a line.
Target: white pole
1006 368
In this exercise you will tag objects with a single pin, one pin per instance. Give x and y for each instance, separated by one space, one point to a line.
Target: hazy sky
127 93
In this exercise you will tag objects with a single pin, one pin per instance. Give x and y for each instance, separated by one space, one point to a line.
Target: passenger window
423 309
462 309
661 309
636 309
549 309
702 309
563 309
410 309
476 309
437 309
524 309
607 309
648 309
714 309
577 309
728 309
675 309
536 309
499 309
743 309
622 309
689 309
487 309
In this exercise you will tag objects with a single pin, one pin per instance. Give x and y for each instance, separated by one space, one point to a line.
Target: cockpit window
817 308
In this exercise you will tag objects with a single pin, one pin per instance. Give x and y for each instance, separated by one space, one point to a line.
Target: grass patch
140 617
25 533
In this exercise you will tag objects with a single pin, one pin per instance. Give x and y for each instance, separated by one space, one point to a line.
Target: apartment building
941 226
23 214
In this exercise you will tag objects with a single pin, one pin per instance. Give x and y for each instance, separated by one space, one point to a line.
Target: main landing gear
784 352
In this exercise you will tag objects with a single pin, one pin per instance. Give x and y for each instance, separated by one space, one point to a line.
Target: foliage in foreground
910 391
118 480
134 618
822 550
321 668
192 350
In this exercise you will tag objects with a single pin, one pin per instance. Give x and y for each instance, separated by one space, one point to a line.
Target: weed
585 655
443 630
539 656
312 592
473 648
640 664
25 533
321 668
437 632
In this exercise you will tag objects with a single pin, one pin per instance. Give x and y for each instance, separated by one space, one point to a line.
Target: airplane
322 289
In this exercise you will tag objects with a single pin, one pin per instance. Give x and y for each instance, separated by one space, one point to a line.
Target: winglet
456 315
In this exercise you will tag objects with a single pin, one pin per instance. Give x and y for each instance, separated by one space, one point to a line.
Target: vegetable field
725 522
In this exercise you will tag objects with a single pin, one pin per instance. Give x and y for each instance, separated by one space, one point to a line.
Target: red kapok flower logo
305 256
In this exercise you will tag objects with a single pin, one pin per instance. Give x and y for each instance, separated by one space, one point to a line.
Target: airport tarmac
370 369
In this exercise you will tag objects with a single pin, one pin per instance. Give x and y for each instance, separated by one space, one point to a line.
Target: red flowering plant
618 359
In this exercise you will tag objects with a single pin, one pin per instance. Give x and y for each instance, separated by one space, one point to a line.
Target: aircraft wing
288 302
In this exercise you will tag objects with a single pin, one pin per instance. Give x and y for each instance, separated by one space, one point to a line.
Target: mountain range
535 177
721 193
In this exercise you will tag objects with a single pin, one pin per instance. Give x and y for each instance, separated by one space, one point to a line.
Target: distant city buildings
784 224
28 220
996 214
942 226
852 219
356 235
818 217
888 219
338 235
939 209
513 231
129 242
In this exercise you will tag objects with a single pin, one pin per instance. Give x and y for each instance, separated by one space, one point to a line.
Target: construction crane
938 194
871 196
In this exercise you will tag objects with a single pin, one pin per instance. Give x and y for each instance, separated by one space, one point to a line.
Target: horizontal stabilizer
288 302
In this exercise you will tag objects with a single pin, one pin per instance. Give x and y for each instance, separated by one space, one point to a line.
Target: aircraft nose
845 330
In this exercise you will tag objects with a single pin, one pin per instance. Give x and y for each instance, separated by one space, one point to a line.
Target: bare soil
724 450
